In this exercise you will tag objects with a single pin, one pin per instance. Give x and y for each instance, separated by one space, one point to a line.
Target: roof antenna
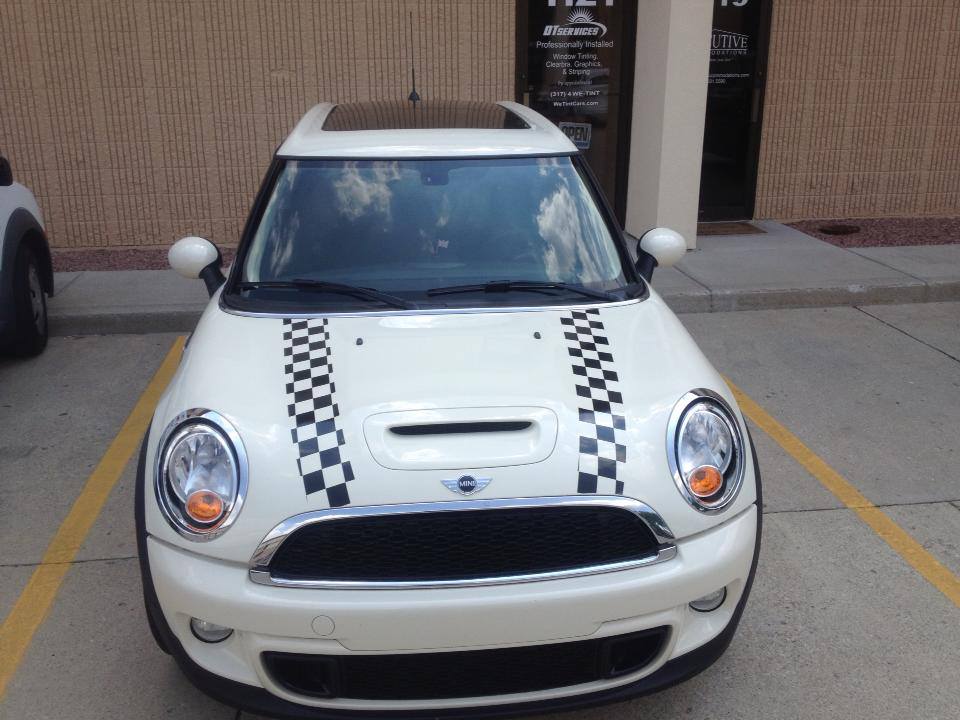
414 96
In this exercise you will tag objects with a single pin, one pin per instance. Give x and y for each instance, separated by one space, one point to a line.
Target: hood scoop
462 428
461 438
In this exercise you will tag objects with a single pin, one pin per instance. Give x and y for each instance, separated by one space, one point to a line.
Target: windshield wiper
332 287
502 286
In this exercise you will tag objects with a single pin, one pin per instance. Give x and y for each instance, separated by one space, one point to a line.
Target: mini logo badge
467 484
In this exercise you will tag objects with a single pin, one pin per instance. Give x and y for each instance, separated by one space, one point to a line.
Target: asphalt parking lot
856 608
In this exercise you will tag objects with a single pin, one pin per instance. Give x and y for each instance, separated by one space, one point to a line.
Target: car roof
438 128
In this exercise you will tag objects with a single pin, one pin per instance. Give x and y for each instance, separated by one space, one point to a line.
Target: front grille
463 544
474 673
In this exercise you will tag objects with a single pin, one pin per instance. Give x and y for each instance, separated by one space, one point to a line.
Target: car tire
29 305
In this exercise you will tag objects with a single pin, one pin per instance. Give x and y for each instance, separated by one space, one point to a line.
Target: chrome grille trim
259 567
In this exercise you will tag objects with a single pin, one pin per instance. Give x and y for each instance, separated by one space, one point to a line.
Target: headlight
705 450
201 474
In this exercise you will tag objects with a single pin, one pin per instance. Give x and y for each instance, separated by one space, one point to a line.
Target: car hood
395 408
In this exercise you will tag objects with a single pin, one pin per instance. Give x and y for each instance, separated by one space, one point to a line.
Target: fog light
711 601
209 632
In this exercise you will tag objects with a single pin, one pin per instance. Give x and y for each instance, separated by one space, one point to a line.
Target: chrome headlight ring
735 468
169 504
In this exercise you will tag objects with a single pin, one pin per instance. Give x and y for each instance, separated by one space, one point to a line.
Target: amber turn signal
204 506
705 481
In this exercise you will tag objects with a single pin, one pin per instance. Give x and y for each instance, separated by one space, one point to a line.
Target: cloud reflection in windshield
569 251
361 193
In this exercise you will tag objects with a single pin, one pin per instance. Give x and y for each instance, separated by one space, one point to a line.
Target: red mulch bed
153 258
889 232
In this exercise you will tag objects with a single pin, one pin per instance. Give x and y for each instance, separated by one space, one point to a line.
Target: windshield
408 227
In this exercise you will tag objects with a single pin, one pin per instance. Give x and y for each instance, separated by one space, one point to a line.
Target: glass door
731 135
575 66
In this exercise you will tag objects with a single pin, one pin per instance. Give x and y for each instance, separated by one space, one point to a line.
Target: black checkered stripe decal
602 424
311 398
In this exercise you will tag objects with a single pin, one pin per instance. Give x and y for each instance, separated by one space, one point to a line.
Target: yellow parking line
34 602
894 535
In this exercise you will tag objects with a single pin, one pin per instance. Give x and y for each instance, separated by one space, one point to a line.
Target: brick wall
140 121
862 113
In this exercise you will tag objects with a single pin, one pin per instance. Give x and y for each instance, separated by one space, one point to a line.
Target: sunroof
426 115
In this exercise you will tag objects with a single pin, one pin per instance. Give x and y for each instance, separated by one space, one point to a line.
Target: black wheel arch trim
258 700
24 227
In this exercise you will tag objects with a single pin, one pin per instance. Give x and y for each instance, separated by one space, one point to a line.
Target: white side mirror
190 255
195 257
664 245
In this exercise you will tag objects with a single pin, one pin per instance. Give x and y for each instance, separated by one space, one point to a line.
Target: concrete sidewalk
783 268
786 268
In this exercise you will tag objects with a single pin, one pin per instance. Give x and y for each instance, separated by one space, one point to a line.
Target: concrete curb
790 298
779 268
184 319
779 299
140 322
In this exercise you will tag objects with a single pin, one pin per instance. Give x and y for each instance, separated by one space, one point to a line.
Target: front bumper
282 618
183 584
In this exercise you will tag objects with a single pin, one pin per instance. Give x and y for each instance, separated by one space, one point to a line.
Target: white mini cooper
436 448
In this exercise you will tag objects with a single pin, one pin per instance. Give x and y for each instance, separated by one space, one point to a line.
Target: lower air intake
475 673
